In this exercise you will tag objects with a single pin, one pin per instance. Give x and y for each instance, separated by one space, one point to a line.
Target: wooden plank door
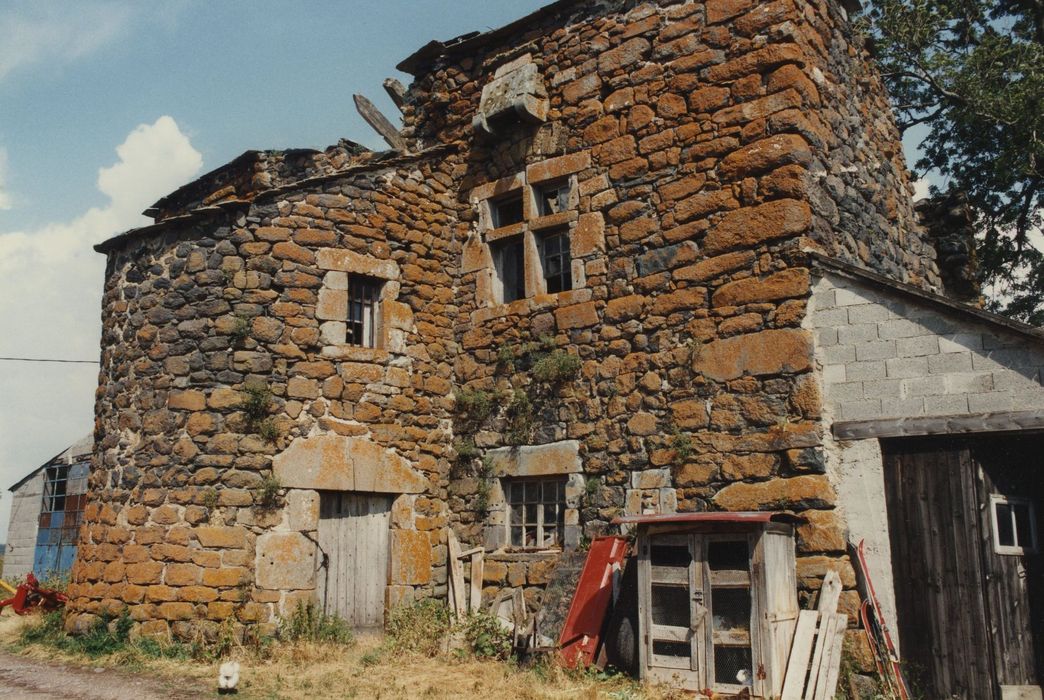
353 543
1012 582
934 528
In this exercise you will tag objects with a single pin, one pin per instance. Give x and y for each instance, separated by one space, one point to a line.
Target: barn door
966 615
353 543
934 530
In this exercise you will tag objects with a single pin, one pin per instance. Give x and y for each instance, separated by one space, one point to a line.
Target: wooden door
1008 469
965 618
671 611
353 544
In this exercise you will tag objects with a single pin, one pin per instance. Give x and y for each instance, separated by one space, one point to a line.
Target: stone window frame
528 184
338 266
539 523
557 460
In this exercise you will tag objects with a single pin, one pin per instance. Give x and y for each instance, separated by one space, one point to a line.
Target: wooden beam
380 123
1005 421
396 91
475 604
456 576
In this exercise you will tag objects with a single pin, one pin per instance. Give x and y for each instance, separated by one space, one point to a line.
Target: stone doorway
353 545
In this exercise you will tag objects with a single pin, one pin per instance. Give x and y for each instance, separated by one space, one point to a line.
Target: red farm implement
30 597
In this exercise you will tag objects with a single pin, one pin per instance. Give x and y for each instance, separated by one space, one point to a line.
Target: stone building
625 258
46 511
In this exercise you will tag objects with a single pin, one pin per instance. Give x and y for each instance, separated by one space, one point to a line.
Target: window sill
537 302
495 234
562 218
355 353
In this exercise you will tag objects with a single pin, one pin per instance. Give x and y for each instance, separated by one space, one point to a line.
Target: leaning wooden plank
369 112
396 91
476 582
470 552
831 667
456 573
829 593
817 658
800 650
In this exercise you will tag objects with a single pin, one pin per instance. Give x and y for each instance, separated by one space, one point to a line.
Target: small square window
552 198
556 262
1014 525
509 266
536 512
507 211
364 294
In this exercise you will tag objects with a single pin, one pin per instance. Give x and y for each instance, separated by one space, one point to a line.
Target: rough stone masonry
687 152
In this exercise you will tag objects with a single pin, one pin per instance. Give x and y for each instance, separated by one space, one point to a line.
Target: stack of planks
815 655
462 598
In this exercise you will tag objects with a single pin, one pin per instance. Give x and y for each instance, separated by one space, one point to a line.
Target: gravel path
21 677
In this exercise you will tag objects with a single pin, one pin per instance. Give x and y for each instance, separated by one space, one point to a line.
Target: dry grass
368 669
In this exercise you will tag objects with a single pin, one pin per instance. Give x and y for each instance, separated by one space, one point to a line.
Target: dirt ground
296 671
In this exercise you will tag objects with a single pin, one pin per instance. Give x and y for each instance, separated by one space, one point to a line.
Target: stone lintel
340 463
537 460
348 261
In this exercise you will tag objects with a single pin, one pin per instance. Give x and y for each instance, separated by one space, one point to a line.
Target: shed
46 513
717 599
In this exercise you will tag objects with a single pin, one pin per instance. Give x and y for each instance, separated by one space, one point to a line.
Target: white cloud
50 300
5 198
34 31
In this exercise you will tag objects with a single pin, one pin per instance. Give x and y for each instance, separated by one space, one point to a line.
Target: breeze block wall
705 145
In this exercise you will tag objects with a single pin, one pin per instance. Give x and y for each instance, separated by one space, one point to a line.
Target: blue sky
106 105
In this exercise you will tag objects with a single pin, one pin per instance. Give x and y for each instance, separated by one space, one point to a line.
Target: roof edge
201 213
862 274
465 42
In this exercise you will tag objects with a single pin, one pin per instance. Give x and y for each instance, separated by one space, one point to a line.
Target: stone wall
202 318
701 146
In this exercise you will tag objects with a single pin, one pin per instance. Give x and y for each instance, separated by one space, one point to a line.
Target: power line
41 359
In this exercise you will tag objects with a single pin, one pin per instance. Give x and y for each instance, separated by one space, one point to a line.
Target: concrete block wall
21 535
886 355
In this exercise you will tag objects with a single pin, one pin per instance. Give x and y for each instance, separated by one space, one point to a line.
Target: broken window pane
552 198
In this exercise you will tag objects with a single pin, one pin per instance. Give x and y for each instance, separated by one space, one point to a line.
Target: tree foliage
972 73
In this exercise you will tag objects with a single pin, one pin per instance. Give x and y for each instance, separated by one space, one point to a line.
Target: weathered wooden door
670 605
353 544
969 618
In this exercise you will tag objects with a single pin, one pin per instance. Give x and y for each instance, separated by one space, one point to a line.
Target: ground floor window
536 512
